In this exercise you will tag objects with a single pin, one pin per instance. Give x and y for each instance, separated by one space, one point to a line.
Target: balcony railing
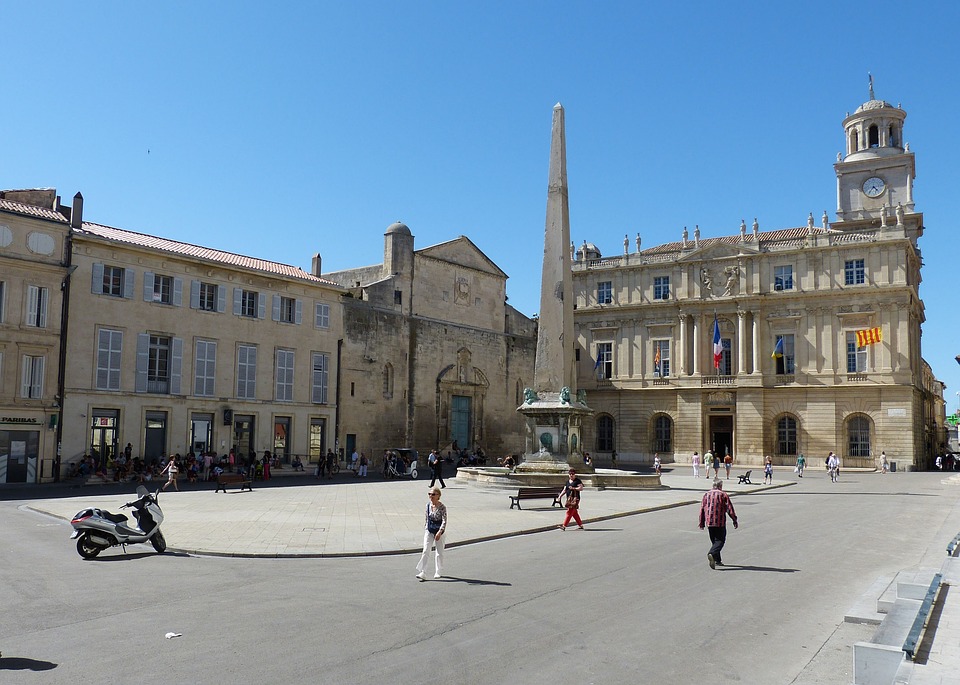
718 380
785 379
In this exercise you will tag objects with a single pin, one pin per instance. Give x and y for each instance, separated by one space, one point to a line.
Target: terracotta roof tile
30 210
198 252
763 237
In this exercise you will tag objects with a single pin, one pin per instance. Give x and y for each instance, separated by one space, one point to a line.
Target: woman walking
433 534
768 470
572 490
801 462
171 470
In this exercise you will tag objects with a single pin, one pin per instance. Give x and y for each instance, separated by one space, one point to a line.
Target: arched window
663 434
858 436
787 436
873 136
892 137
605 434
387 381
854 141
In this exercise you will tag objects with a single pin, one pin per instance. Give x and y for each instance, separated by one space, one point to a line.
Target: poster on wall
18 451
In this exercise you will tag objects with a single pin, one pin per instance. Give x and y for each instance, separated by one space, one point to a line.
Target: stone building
34 230
176 348
785 372
433 356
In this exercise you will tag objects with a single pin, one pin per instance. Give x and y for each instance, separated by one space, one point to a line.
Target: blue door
460 421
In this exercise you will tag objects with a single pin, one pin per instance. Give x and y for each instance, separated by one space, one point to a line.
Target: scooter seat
115 518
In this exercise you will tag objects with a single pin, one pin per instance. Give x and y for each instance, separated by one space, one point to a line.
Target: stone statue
529 396
899 214
743 231
564 395
626 244
696 235
825 220
707 279
685 236
756 229
638 242
582 396
733 275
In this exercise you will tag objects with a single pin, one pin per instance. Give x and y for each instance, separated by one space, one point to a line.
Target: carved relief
462 291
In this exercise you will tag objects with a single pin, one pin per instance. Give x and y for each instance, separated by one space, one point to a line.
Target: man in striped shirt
714 508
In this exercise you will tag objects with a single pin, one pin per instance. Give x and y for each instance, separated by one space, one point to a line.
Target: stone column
696 345
682 356
756 343
741 342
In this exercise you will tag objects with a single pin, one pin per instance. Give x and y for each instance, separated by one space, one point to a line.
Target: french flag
717 345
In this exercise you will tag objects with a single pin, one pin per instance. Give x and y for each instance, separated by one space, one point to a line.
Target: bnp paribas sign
31 421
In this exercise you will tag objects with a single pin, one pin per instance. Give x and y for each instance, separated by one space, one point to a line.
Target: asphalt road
631 600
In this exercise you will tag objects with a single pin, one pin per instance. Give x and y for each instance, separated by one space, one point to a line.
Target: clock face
873 187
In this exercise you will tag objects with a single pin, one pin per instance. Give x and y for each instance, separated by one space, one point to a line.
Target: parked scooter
97 529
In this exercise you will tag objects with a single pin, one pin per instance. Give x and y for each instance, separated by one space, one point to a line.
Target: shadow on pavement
21 664
773 569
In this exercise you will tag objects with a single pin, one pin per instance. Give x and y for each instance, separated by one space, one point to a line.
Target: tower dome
397 228
875 129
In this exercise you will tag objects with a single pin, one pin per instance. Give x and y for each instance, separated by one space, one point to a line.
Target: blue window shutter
194 294
143 361
221 299
276 307
261 306
237 300
96 284
148 277
176 365
128 283
177 292
299 314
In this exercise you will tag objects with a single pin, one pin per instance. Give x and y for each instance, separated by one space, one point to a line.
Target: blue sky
284 129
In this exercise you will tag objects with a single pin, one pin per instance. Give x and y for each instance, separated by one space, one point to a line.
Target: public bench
745 478
225 479
536 493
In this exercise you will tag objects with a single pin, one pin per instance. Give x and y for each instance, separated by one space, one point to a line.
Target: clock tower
878 168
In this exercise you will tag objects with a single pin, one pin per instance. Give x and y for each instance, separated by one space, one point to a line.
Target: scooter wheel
87 549
158 542
413 474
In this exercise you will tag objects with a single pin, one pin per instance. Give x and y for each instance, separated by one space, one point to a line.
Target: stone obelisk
553 407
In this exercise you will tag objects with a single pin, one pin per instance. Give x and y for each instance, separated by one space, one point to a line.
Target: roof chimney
76 214
315 265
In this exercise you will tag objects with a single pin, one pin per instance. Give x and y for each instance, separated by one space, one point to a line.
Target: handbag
573 502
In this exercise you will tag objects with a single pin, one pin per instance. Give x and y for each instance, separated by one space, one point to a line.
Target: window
604 363
321 317
158 288
205 368
207 297
856 356
873 136
246 372
158 364
784 354
287 309
854 272
783 277
661 358
109 348
663 434
661 287
398 297
787 435
321 367
284 376
2 299
36 313
113 280
387 381
248 303
605 434
605 292
726 358
858 436
32 385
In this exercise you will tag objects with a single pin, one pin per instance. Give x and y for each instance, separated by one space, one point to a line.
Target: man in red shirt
714 508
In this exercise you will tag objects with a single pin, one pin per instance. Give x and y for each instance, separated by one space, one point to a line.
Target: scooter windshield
142 492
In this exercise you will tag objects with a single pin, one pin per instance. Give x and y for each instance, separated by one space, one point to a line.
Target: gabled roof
30 210
186 249
463 251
